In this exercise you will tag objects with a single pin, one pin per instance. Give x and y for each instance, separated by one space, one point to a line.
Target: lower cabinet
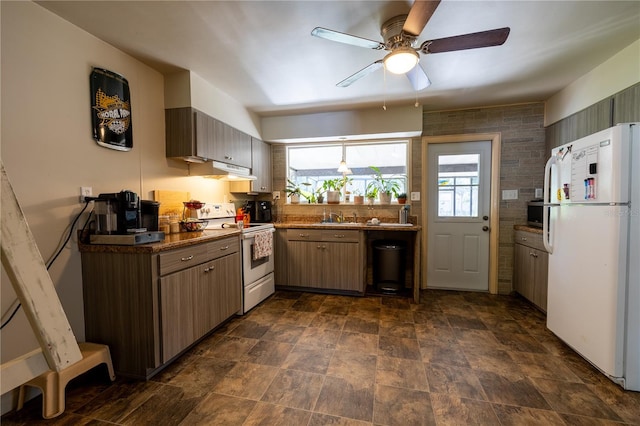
149 307
325 260
530 268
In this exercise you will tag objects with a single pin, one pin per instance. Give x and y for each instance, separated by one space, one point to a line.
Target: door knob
485 217
485 228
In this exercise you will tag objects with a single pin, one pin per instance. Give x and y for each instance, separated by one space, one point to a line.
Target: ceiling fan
400 35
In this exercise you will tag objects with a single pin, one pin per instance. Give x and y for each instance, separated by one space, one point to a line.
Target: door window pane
458 180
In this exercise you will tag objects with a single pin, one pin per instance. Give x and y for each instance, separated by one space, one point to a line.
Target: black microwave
535 212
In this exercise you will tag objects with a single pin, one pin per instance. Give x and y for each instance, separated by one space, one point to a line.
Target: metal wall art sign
111 110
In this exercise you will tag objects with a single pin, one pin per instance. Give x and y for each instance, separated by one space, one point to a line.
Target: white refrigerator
592 233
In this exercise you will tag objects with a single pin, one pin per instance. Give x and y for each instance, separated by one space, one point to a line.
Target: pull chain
384 98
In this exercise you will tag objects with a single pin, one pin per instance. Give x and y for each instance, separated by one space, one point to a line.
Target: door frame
494 222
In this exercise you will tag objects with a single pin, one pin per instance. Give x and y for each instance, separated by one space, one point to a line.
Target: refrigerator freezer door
587 275
593 169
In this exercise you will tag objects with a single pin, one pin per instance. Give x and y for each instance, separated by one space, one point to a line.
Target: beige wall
48 151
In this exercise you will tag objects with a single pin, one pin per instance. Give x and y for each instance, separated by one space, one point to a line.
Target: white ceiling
261 53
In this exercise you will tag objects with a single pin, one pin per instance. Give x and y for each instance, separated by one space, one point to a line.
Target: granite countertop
352 226
170 242
527 228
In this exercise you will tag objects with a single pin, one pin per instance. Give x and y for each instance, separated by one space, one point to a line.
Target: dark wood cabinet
188 134
623 107
261 165
325 260
150 307
231 145
195 136
530 267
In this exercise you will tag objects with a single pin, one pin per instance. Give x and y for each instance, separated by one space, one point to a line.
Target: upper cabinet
195 136
261 165
623 107
231 145
188 134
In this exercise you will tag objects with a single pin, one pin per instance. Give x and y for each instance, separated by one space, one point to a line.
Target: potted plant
402 198
294 191
358 198
309 195
371 192
320 194
386 186
333 187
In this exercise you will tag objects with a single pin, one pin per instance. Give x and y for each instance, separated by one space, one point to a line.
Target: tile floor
308 359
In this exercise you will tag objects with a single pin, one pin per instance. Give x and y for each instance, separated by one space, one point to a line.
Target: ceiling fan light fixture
401 60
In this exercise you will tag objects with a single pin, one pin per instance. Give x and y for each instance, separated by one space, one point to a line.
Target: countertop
352 226
185 239
170 242
528 228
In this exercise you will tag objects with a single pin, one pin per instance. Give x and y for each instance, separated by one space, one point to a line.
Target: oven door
253 270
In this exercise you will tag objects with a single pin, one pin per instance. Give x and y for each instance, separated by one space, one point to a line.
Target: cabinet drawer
224 247
178 259
529 239
304 234
341 235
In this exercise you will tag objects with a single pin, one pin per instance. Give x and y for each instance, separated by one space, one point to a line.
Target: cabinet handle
523 238
184 259
321 247
210 268
228 157
338 235
224 248
533 254
303 235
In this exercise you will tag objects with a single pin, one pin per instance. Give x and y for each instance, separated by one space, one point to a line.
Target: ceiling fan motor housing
393 35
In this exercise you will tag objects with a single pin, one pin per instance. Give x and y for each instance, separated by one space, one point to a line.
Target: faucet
355 217
339 217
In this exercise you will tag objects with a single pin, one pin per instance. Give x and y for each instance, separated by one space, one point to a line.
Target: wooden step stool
53 383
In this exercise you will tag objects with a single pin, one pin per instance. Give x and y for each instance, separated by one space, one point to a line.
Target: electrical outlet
415 196
510 194
276 195
539 193
85 191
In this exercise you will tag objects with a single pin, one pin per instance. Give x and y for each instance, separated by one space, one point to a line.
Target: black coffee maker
118 213
260 211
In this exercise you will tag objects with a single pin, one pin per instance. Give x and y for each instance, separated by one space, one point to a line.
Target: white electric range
257 272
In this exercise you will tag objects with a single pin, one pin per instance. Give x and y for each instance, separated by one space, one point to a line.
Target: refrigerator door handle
547 228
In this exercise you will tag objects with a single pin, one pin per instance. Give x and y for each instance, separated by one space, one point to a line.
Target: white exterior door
459 189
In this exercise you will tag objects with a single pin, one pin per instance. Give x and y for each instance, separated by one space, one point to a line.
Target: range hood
222 171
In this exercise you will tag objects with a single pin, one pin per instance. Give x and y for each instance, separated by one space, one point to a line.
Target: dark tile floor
308 359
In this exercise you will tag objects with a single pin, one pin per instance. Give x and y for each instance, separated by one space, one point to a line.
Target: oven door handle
250 234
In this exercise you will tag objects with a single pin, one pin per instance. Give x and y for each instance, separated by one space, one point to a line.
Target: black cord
73 224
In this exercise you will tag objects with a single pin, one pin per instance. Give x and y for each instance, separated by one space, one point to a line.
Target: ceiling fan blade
418 78
357 76
419 15
346 38
467 41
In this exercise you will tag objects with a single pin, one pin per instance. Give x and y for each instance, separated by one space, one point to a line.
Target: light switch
415 196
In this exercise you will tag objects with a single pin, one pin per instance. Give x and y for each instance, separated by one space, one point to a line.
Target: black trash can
389 259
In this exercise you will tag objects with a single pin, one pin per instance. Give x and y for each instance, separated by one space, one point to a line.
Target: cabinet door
231 145
177 298
240 148
204 134
342 267
305 263
541 261
261 165
523 271
226 299
281 257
